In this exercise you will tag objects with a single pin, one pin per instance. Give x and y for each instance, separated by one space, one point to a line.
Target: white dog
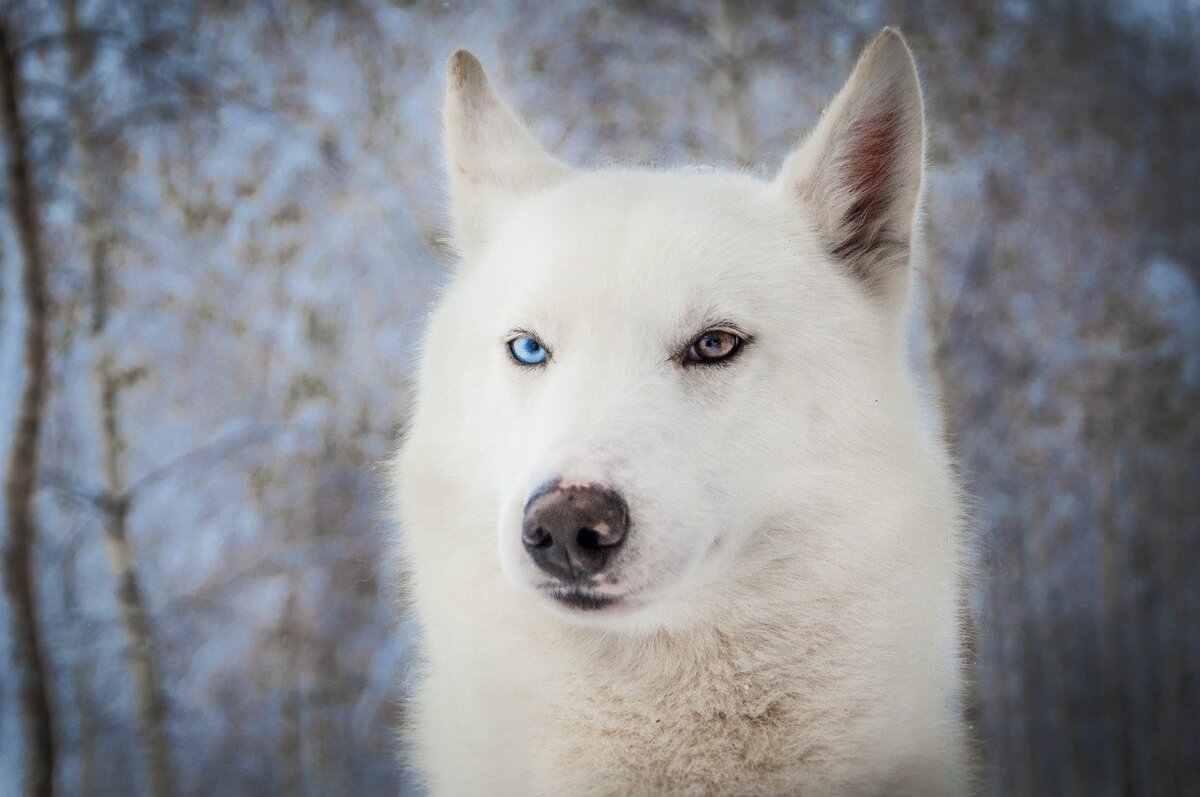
672 520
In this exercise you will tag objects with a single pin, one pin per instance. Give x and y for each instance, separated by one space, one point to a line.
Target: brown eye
712 346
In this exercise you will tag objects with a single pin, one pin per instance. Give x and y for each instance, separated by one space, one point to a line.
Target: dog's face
663 358
646 327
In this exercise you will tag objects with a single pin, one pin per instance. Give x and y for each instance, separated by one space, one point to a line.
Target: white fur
790 612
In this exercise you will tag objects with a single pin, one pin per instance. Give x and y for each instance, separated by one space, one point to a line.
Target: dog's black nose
571 532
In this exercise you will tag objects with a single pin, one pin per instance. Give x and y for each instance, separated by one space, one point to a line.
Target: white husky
672 521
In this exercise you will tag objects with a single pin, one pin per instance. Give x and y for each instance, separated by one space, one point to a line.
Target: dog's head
665 366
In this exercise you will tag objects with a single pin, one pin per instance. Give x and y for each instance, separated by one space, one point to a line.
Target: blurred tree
81 666
21 472
95 232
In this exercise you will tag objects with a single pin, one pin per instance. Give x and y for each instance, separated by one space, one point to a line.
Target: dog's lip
580 597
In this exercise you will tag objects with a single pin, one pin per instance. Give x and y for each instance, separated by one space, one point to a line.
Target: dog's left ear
860 169
491 158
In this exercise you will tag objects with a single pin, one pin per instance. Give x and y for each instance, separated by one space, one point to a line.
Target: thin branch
165 110
99 499
279 562
142 113
69 486
49 87
91 36
205 455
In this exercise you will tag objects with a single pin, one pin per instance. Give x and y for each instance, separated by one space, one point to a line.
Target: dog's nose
571 531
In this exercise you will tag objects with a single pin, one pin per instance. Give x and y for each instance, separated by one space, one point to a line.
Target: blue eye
526 350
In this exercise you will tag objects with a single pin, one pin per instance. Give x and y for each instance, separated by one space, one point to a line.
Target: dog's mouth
581 599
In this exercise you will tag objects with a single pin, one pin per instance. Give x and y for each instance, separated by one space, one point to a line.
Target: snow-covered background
270 192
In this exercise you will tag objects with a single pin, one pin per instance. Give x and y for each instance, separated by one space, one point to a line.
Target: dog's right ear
860 170
491 158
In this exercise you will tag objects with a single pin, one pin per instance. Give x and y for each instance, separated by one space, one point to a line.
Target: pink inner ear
868 167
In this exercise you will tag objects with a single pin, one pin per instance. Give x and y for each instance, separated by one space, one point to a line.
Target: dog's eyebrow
516 332
712 320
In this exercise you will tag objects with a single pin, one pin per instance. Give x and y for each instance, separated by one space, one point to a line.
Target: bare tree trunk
23 462
1113 577
291 742
81 680
143 669
327 744
81 677
731 82
141 662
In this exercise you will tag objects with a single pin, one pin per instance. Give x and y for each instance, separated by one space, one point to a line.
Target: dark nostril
588 540
538 538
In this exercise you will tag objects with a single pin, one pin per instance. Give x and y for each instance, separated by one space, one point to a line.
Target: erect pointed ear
860 169
491 158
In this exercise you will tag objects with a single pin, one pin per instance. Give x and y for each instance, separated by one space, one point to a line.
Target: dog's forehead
624 235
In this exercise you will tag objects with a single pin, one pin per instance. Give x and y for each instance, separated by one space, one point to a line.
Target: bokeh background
238 218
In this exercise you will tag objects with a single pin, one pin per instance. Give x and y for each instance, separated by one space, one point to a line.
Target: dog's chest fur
705 713
765 709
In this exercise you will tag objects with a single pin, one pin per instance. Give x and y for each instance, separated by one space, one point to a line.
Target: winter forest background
236 212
